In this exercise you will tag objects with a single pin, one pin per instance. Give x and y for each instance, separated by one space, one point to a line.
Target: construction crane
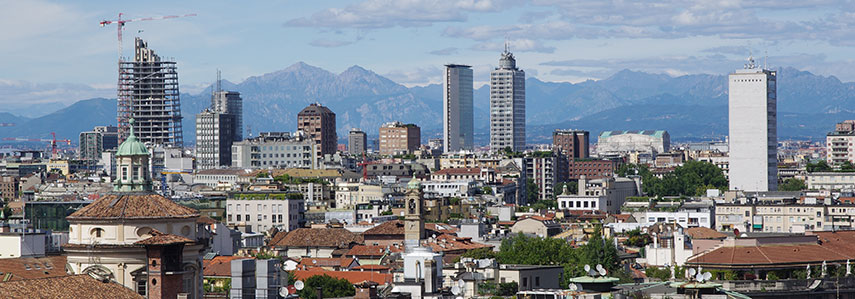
120 25
52 141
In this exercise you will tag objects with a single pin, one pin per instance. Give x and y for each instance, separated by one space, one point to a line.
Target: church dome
132 146
414 183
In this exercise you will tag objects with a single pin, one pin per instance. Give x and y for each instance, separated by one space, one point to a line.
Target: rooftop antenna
766 57
506 44
219 81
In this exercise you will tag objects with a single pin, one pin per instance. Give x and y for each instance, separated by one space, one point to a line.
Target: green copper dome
132 146
414 183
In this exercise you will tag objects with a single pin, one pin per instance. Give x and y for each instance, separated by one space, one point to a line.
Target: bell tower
132 174
414 224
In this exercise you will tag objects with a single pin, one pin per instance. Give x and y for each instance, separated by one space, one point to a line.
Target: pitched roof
132 206
353 277
159 238
220 265
396 227
704 233
30 268
327 262
830 246
446 243
316 237
371 251
372 267
72 286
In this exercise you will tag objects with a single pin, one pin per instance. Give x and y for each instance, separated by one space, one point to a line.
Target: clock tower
414 224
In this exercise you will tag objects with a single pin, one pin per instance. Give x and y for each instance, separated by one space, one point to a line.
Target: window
97 232
525 282
238 217
537 281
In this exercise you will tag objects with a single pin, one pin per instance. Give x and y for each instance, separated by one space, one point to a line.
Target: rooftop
656 133
315 237
132 206
73 286
220 265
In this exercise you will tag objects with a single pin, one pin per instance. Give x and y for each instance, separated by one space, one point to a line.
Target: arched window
144 232
97 232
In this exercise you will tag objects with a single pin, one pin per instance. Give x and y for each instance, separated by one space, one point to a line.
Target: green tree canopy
331 287
792 184
692 178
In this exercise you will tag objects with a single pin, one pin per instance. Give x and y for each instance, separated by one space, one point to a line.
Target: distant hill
689 107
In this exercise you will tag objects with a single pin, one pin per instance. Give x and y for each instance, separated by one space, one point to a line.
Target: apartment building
780 217
399 138
260 211
275 150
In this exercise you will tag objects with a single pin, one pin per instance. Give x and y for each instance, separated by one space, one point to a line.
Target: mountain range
690 107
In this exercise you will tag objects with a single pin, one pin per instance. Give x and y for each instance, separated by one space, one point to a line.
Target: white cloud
328 43
398 13
445 52
515 45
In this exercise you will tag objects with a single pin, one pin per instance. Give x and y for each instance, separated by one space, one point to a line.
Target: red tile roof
830 247
220 265
30 268
305 263
71 286
132 206
371 251
354 277
704 233
371 267
159 238
451 243
316 237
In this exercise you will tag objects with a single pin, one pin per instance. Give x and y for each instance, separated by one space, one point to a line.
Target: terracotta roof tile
30 268
132 206
316 237
220 265
159 238
830 247
396 227
450 243
326 262
369 251
704 233
73 286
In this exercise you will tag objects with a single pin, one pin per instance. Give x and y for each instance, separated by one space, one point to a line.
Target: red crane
52 141
364 164
120 24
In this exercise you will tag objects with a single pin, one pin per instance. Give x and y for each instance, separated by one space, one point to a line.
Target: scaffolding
148 93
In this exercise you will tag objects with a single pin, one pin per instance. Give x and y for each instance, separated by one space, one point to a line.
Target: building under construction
148 93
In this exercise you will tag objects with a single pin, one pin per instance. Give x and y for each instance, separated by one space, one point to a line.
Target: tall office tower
356 142
93 143
397 138
457 120
318 122
507 105
214 137
148 93
752 117
572 143
229 102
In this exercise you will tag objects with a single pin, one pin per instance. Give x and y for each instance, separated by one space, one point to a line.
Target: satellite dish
707 276
572 287
692 272
699 277
299 285
314 261
455 290
587 268
461 283
283 291
602 272
599 267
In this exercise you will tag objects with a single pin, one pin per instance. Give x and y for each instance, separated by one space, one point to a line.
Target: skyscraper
92 143
573 144
457 120
229 102
318 122
148 93
752 117
507 105
357 141
214 137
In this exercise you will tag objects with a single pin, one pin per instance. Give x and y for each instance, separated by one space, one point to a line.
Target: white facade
457 188
831 181
15 244
684 219
752 117
263 214
457 117
665 256
607 194
507 105
275 150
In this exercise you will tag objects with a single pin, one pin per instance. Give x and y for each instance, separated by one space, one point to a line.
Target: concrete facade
752 125
264 211
357 142
275 149
507 105
398 138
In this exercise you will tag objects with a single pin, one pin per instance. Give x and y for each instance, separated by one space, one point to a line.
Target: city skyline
559 42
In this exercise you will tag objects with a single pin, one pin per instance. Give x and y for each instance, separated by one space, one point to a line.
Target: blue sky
56 50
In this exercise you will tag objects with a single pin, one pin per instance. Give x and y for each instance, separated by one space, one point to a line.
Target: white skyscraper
507 105
457 120
752 114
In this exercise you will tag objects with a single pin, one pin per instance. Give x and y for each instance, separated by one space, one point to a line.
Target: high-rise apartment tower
507 105
753 133
318 122
457 120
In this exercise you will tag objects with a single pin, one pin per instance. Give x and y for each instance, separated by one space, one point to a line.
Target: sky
55 50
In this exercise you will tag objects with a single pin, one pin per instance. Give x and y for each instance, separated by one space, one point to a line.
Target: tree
820 166
847 167
487 190
792 184
572 188
331 287
480 253
532 193
692 178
